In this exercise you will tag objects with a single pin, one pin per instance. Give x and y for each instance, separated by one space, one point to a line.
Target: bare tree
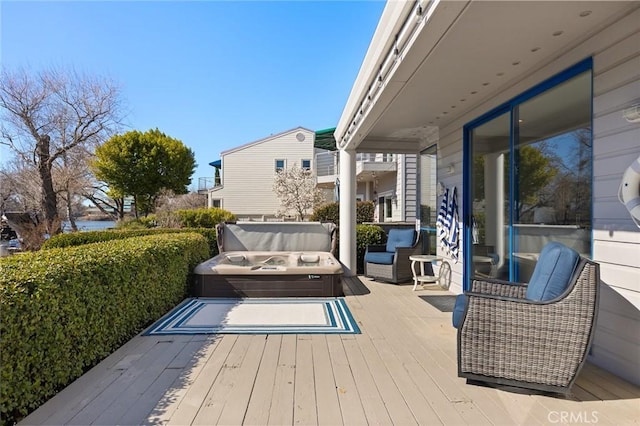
296 189
48 115
170 201
20 187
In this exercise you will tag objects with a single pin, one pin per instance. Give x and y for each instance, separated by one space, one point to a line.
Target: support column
348 211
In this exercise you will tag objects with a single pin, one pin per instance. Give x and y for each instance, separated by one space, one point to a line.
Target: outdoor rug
443 303
257 316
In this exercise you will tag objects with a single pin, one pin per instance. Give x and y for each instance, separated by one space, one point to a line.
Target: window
217 202
306 165
280 164
529 177
388 211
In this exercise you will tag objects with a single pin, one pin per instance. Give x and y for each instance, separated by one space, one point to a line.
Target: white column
367 191
348 211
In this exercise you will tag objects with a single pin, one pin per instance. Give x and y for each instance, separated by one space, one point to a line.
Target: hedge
207 217
330 212
367 235
80 238
64 310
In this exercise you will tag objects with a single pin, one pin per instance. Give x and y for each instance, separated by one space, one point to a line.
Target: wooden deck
401 370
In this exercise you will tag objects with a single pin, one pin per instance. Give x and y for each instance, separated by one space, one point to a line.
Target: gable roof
324 139
263 140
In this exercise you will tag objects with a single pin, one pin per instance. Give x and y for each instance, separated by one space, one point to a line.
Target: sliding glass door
529 177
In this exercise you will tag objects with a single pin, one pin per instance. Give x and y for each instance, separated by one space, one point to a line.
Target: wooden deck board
327 404
304 400
238 398
223 384
186 408
370 398
259 404
281 412
350 402
401 370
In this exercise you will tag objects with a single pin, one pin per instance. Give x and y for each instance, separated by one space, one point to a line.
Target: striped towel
454 226
442 225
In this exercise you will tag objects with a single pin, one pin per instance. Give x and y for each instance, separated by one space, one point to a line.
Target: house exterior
526 108
388 180
246 173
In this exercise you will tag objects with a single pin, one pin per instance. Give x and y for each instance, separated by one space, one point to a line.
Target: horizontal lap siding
616 240
248 173
411 188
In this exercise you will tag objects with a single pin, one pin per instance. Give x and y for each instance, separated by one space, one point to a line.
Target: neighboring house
389 180
527 109
246 173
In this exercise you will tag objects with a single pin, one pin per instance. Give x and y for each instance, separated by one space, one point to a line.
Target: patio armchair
534 335
390 262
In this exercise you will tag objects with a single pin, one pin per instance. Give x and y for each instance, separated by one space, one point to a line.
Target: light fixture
632 114
451 168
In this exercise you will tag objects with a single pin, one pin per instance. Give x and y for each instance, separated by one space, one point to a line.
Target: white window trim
275 164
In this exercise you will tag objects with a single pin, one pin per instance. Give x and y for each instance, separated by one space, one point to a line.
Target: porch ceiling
466 53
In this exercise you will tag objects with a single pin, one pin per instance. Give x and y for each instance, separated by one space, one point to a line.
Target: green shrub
367 235
64 310
204 218
364 211
331 212
149 221
327 213
80 238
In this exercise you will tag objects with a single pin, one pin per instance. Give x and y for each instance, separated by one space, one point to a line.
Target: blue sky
214 74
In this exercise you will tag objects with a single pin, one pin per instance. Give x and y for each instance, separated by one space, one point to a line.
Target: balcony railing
327 163
206 183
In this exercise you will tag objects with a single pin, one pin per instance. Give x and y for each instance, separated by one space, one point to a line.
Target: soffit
485 46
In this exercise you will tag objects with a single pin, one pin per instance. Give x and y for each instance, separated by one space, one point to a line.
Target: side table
422 277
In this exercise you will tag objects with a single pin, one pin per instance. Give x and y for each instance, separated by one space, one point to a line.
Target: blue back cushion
399 238
553 272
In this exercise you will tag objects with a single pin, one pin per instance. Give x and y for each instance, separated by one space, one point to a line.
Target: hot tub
269 274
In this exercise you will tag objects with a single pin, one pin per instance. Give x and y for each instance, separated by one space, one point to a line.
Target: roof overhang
430 62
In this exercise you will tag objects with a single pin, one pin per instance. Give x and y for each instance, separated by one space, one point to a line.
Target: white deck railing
327 163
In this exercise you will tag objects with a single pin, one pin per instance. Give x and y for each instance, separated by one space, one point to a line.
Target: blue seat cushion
379 257
458 310
553 272
399 238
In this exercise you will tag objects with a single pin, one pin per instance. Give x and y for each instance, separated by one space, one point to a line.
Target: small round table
423 278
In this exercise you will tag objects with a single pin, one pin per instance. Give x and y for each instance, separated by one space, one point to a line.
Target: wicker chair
391 262
515 335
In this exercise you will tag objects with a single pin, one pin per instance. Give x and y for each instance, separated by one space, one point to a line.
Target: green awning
325 139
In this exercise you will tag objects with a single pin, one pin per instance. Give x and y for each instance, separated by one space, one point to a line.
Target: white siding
616 240
398 205
410 190
248 173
